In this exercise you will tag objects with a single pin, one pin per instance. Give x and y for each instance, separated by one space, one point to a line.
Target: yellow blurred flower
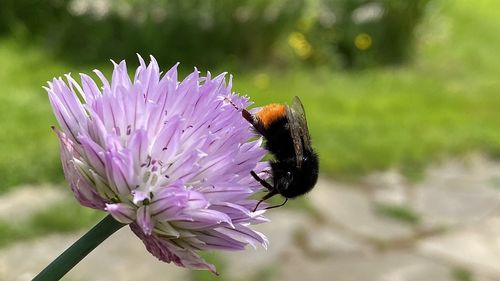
363 41
300 45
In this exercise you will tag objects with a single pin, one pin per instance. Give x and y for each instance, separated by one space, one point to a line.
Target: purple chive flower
170 158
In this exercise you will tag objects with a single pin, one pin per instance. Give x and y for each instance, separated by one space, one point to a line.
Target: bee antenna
246 114
232 103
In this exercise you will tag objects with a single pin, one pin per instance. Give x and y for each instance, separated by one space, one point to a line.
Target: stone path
121 258
26 200
453 235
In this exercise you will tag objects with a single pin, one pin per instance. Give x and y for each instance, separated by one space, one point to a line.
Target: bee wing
298 129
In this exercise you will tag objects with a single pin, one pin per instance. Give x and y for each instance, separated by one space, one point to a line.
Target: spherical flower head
172 159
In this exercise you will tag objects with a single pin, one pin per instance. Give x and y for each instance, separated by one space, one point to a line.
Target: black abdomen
279 141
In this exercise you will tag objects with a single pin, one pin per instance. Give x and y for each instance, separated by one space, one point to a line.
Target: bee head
283 177
292 181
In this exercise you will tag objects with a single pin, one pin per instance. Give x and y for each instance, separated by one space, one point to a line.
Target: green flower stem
81 248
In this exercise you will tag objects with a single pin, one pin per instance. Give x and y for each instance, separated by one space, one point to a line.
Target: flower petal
144 220
166 251
122 212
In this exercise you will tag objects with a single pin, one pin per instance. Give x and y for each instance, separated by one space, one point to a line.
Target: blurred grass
460 274
204 275
398 212
28 149
445 104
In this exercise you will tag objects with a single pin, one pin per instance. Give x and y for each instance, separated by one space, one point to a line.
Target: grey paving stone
458 192
280 231
352 209
461 195
389 187
326 241
121 257
474 247
23 201
393 266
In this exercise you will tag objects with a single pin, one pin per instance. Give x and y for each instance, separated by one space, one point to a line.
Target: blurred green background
386 84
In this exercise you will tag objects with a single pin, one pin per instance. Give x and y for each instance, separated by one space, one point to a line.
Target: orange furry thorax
270 113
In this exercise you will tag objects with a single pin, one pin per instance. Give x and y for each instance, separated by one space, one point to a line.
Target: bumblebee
295 164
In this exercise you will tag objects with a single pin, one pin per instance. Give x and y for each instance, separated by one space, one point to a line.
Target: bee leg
272 207
271 189
267 196
261 181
